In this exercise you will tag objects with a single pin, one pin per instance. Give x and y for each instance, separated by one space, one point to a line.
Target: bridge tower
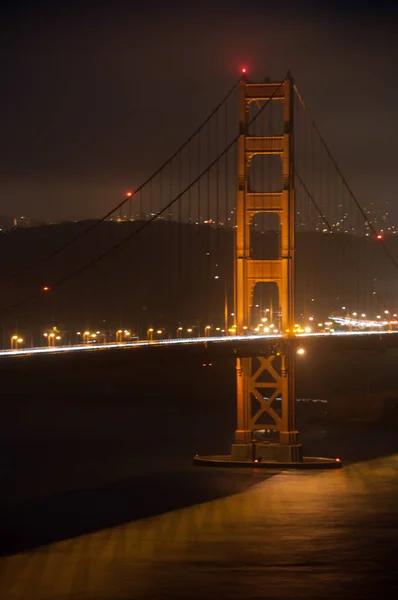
259 385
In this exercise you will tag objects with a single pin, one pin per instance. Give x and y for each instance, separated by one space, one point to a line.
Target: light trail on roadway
184 341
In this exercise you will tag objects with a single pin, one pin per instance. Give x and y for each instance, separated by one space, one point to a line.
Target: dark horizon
96 97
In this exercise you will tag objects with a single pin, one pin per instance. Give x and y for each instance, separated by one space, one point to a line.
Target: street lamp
85 336
150 334
207 330
119 334
179 332
14 342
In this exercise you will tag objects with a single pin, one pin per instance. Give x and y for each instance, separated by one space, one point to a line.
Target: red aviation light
379 236
243 70
129 194
45 288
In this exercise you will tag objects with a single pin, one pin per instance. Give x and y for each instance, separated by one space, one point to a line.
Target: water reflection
295 535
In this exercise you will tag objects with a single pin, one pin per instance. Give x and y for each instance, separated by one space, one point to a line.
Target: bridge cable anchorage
345 182
153 217
129 196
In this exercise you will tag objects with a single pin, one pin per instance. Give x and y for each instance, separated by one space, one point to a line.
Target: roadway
240 345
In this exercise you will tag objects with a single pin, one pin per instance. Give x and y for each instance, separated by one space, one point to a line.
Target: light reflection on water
294 535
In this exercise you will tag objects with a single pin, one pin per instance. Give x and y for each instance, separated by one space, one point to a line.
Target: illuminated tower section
263 380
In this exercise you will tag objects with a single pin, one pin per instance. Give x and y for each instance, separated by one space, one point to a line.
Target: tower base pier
307 462
267 452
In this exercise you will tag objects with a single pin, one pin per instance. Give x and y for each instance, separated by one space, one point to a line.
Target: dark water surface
291 535
100 501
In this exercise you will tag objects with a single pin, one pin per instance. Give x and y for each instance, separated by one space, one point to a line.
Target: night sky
94 95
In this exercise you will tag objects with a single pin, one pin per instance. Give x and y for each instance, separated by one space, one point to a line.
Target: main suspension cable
345 182
154 216
97 222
